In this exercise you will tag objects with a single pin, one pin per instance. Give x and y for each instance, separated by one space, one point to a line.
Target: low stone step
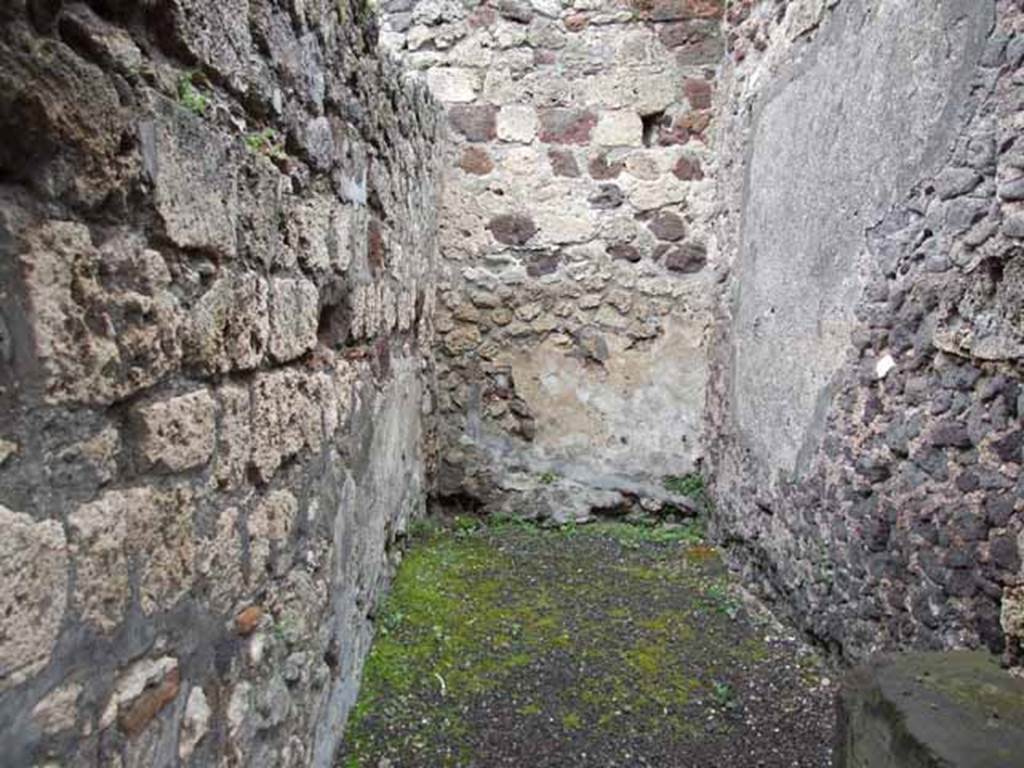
932 710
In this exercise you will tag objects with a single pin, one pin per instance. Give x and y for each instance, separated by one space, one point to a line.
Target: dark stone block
476 122
1008 449
607 197
950 435
667 226
512 228
566 126
687 258
563 163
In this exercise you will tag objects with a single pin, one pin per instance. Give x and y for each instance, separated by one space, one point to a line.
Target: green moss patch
503 642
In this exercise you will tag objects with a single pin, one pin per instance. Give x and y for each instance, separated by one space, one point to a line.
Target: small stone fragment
248 619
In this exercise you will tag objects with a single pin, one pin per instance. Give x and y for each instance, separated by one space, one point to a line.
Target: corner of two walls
578 259
217 257
865 402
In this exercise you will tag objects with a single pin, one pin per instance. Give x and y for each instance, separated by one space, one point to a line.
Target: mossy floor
603 645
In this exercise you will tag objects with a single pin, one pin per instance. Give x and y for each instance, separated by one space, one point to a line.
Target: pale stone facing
177 433
33 570
139 534
453 85
621 128
517 123
294 314
269 523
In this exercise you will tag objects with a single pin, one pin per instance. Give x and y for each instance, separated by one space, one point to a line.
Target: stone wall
577 255
217 244
866 399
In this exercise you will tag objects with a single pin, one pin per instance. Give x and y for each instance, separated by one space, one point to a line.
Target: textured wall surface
865 409
577 256
217 243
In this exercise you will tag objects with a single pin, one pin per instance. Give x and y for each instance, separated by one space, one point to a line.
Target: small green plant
717 596
423 528
690 485
723 694
266 142
464 526
190 96
547 478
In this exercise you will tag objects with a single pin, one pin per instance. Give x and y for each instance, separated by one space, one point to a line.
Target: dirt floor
602 645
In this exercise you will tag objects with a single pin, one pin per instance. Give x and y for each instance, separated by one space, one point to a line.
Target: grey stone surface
885 84
215 373
863 399
937 710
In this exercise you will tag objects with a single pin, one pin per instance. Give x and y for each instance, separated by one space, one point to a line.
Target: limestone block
517 122
143 532
320 233
294 315
177 433
216 34
287 409
34 572
269 524
651 195
644 89
98 340
220 561
194 172
452 85
229 325
233 438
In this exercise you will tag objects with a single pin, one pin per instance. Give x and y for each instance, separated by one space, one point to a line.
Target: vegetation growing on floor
597 632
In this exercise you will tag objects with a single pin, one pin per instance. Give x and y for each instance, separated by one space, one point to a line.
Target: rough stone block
687 258
136 534
98 340
34 572
621 128
233 437
214 34
667 226
476 161
563 163
194 174
566 126
229 325
294 315
517 123
512 228
177 433
320 233
476 122
934 710
453 85
671 10
268 525
286 418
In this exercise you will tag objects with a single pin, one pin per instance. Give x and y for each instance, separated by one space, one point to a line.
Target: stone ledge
925 710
